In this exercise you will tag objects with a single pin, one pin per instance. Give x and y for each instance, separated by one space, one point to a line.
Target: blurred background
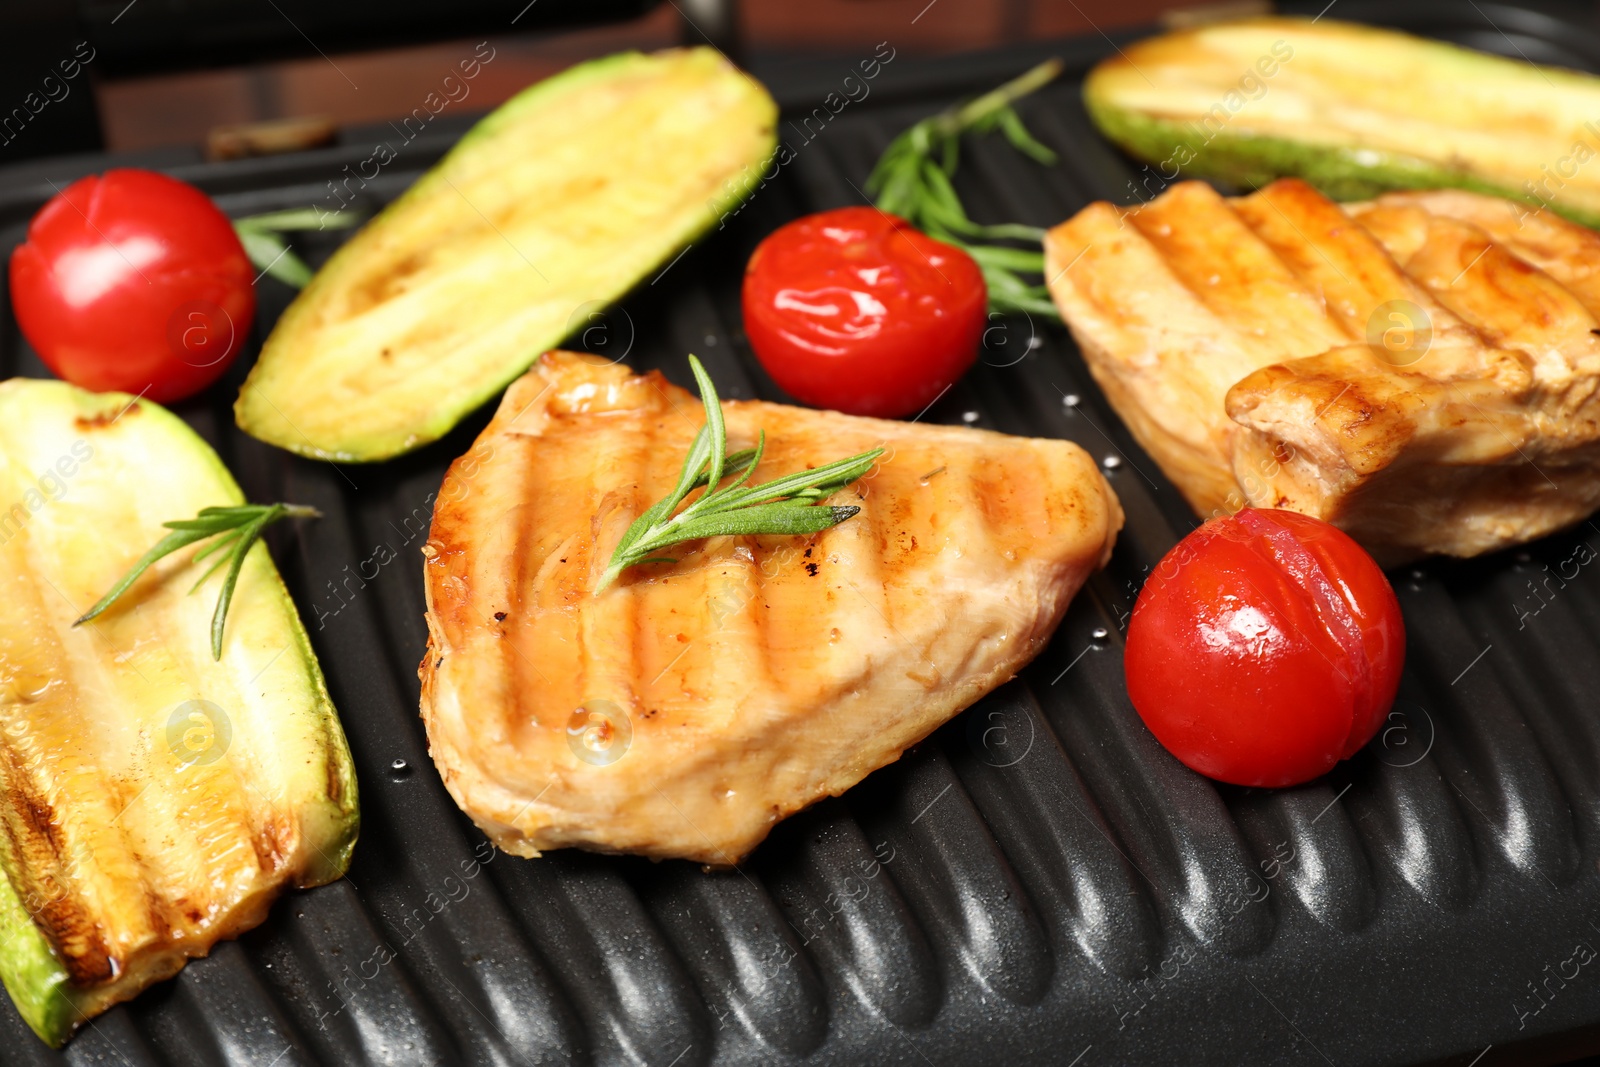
167 73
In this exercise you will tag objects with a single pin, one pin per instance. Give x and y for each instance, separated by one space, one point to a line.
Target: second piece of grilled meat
1420 369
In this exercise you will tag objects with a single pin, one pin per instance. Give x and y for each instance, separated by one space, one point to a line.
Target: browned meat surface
1419 370
686 709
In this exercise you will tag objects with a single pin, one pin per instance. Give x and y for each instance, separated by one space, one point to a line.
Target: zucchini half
1353 110
152 801
565 197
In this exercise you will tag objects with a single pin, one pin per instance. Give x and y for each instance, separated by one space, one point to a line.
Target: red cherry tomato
133 281
858 311
1265 647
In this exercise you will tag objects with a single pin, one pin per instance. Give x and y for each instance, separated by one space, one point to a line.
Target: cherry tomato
133 281
1265 647
858 311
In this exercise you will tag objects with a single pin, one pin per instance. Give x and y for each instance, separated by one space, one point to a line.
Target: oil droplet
599 732
400 768
1099 633
969 417
1111 463
1071 400
20 684
833 635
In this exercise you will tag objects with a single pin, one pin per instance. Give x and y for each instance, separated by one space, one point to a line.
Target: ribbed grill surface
1039 879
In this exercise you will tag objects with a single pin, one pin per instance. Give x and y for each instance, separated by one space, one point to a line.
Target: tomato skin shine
134 281
858 311
1264 648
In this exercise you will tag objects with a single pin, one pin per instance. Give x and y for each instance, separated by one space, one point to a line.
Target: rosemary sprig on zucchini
787 505
912 180
240 526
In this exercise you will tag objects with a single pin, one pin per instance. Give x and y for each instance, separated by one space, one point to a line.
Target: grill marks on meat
756 674
1235 338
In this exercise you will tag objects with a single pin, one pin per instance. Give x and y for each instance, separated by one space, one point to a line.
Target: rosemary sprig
912 180
263 240
241 526
787 505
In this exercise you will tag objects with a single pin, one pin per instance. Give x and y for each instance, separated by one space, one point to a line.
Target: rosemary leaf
242 525
699 452
248 535
1023 141
786 505
219 543
300 218
1008 259
912 180
737 462
714 424
838 474
166 546
269 252
749 467
221 561
782 517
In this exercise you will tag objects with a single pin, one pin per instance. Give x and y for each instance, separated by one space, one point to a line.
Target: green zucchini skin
455 289
1249 151
34 978
1251 162
95 785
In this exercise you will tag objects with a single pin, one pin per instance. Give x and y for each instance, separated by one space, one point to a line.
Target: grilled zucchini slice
152 800
559 202
1353 110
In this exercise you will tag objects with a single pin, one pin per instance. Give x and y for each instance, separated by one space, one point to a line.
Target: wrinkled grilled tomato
858 311
1266 646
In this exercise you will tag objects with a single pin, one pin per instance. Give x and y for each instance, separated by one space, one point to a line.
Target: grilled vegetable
1352 109
568 195
1265 648
136 281
152 800
853 309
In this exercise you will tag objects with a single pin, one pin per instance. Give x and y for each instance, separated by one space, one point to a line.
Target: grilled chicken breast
687 708
1419 370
